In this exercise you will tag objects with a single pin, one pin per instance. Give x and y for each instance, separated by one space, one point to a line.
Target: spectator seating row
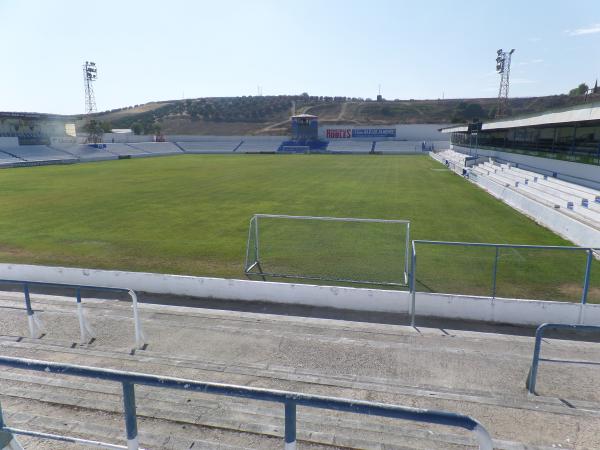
156 148
8 159
86 152
210 145
455 161
35 153
572 199
350 146
252 144
452 156
408 146
121 149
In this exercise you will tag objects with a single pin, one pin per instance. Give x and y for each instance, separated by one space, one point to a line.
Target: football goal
335 249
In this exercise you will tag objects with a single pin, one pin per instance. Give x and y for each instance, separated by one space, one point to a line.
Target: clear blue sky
159 50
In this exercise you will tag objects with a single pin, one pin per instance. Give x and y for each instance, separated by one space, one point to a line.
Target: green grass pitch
189 215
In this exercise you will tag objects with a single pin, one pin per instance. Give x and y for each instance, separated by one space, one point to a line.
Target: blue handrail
539 334
290 400
35 326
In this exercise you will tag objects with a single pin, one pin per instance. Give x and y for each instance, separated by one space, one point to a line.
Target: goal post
336 249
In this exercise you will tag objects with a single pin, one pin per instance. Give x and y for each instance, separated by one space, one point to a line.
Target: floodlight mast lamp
90 74
503 68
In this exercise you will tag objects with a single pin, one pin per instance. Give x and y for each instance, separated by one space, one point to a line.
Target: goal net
345 250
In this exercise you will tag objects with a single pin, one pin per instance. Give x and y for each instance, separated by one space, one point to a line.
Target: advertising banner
357 133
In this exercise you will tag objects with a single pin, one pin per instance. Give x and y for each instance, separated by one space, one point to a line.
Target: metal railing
590 252
252 261
455 166
86 332
539 334
290 401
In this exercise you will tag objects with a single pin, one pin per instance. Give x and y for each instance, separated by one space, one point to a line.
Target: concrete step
236 415
480 374
277 334
107 427
542 410
251 419
587 216
282 377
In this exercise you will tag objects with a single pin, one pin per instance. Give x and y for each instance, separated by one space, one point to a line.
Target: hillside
270 114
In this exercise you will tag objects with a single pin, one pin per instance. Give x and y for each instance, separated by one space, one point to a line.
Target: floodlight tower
503 68
90 74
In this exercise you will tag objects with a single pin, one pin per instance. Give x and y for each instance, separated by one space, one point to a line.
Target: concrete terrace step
107 427
556 183
245 421
326 428
235 329
263 421
288 378
479 374
589 216
230 415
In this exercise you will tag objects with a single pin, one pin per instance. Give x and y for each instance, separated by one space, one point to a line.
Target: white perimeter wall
584 174
520 312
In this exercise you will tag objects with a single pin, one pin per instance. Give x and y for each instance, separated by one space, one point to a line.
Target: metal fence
542 272
539 334
343 250
86 332
290 400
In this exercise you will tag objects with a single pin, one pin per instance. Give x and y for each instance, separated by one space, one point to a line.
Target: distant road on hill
270 114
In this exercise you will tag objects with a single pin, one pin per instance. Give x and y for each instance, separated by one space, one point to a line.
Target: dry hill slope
270 114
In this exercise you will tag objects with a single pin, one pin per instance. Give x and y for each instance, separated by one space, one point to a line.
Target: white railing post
139 334
484 438
85 328
35 325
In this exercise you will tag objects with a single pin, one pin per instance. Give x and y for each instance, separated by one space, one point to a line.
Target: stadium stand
455 161
577 201
451 155
210 145
124 150
196 144
35 153
86 152
251 144
350 146
407 146
389 363
7 159
156 148
396 147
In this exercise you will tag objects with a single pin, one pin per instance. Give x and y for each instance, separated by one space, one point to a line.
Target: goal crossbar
331 219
